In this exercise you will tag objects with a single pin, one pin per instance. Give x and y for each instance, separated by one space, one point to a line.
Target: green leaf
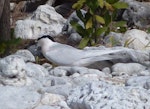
148 30
101 3
114 15
120 24
91 12
78 28
109 6
100 19
99 31
3 47
79 4
107 18
92 5
89 24
120 5
89 32
122 29
107 31
84 42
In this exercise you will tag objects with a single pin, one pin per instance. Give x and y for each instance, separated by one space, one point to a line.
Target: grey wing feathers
93 53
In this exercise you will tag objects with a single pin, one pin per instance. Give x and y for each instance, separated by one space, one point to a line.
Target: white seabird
65 55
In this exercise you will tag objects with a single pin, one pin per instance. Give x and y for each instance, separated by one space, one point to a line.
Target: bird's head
44 40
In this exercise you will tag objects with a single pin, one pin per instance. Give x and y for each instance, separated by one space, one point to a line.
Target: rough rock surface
103 96
133 38
45 20
26 85
141 81
129 69
137 14
18 98
13 68
138 38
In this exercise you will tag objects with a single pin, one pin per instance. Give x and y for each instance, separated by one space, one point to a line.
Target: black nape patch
47 36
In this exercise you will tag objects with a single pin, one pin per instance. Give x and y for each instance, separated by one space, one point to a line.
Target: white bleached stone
139 39
45 20
106 70
27 29
67 71
38 75
78 75
47 107
142 81
117 37
147 84
48 15
25 55
36 71
12 71
18 98
65 80
9 66
51 99
47 66
104 96
60 89
13 68
128 69
58 72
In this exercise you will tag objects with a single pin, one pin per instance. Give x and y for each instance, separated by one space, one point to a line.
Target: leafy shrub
98 21
8 46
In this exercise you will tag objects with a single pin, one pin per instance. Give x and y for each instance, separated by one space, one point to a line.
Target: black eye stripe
47 36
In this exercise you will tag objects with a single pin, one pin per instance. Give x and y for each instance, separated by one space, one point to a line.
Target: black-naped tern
65 55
